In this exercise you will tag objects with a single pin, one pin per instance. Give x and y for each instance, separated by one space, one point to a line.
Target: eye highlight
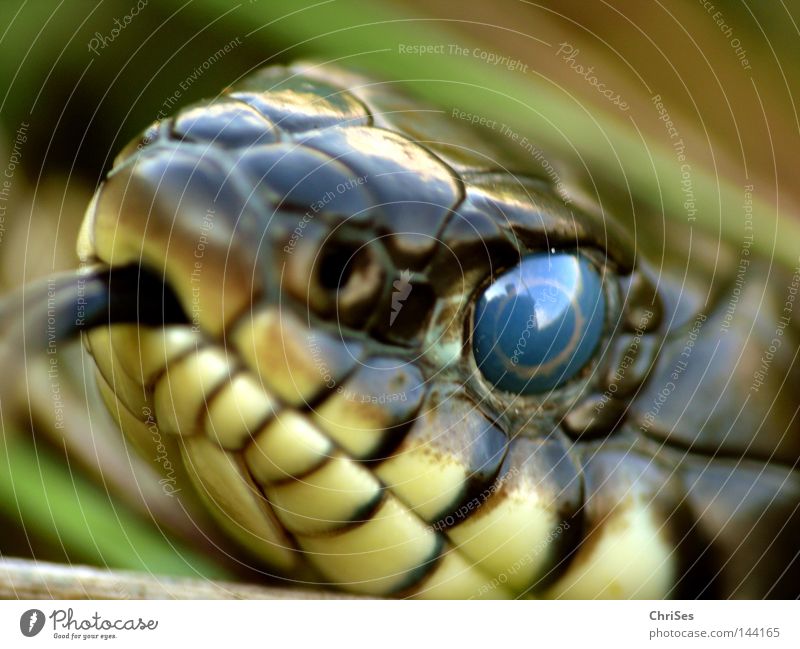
539 323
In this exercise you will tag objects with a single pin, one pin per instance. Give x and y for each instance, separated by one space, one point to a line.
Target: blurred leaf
107 98
40 489
367 35
84 105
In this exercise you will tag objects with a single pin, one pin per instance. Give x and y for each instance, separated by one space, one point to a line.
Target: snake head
407 359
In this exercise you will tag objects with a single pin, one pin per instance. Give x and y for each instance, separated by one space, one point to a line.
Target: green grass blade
369 33
66 509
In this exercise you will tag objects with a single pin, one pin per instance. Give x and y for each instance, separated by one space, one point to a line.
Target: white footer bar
402 624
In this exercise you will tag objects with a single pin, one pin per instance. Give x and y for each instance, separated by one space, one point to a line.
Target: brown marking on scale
447 321
446 328
615 521
296 363
370 417
495 499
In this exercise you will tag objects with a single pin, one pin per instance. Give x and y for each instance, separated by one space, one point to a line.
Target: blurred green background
78 80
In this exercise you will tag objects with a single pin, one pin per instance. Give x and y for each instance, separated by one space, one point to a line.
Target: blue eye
538 324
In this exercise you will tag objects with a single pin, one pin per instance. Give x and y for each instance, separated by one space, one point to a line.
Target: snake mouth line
293 461
283 433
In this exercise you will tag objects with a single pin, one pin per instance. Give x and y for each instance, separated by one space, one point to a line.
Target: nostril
337 276
355 274
338 265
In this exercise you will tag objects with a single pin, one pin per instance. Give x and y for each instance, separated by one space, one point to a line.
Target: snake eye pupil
538 325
